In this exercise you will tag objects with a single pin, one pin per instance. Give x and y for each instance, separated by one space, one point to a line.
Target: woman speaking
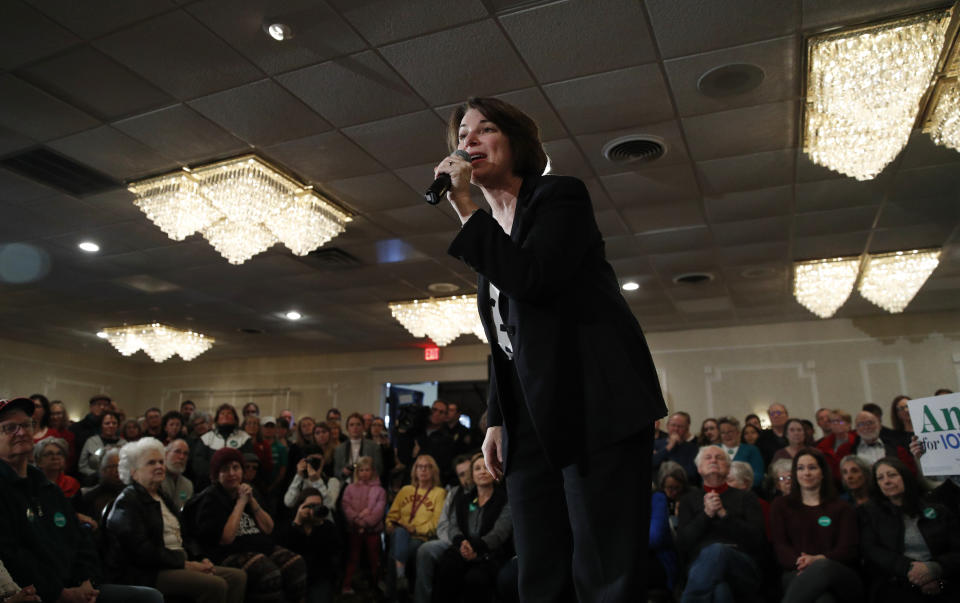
573 392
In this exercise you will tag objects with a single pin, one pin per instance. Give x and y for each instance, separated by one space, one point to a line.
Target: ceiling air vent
693 278
57 171
638 148
329 258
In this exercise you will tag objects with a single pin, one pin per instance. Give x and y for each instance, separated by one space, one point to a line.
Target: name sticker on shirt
824 521
59 519
930 513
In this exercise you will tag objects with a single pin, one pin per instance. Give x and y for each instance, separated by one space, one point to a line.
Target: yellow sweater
429 507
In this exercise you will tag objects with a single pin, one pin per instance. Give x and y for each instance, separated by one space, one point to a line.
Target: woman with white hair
51 457
146 526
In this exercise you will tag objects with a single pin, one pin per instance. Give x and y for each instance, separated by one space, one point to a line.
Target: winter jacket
360 496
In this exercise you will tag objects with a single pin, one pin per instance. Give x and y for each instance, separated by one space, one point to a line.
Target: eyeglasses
12 428
863 424
775 413
785 478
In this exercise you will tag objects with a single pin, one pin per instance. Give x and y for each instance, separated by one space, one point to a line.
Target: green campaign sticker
183 495
930 513
824 521
59 519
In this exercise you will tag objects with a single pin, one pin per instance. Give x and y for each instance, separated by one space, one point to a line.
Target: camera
315 462
319 511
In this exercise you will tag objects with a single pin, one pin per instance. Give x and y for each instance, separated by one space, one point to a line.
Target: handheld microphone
441 185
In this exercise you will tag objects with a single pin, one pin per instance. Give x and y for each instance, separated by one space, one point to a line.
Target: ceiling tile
821 13
383 21
669 265
619 248
916 236
194 61
27 35
584 29
181 134
742 131
352 90
747 205
652 185
532 102
375 192
261 113
27 110
837 193
666 216
683 27
674 240
420 218
940 180
748 232
745 172
829 246
921 151
757 253
944 210
113 153
318 32
566 159
328 156
777 58
403 141
611 223
15 188
419 60
597 103
851 219
91 20
711 304
11 142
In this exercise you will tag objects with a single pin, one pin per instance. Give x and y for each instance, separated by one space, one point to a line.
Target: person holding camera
363 504
310 475
314 537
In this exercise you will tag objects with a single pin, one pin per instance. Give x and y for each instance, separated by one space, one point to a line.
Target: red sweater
828 529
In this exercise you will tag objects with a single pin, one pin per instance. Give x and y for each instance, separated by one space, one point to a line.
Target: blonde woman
415 513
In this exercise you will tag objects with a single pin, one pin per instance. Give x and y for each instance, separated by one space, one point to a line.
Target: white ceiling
355 105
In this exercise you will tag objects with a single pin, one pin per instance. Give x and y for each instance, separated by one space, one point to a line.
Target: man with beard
177 487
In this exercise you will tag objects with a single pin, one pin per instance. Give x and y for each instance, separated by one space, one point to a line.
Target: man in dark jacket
721 534
90 424
40 537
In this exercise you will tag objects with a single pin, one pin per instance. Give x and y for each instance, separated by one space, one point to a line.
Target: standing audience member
729 429
415 513
278 460
388 455
902 430
90 424
459 433
250 409
96 499
721 533
871 448
840 441
911 548
796 439
363 503
171 427
750 435
51 420
153 423
175 485
435 440
678 447
775 438
130 430
226 434
324 439
823 421
97 445
251 424
235 530
303 442
145 525
42 542
347 454
480 535
754 420
709 433
187 408
314 537
814 536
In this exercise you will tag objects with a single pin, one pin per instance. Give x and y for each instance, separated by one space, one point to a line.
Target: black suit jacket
580 356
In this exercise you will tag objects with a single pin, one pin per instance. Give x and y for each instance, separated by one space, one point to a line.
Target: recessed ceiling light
730 80
102 335
630 286
279 31
293 315
89 246
442 288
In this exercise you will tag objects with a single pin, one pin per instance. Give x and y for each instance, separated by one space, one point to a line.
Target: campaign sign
936 422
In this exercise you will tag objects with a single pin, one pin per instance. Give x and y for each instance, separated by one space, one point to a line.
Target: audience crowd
227 506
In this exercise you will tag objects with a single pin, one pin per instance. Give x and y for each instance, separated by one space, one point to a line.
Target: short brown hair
529 158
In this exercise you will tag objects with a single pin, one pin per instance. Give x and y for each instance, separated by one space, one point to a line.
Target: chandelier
889 280
440 319
822 286
158 341
892 280
944 122
864 91
242 206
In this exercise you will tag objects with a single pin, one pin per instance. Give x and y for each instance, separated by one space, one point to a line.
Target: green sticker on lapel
183 495
59 519
824 521
930 513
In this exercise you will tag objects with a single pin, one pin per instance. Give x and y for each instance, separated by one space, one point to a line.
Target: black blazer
581 359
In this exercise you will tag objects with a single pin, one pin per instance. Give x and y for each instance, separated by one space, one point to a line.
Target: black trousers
581 532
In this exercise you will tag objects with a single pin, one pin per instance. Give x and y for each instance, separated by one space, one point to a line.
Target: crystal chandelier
864 89
822 286
943 124
891 280
158 341
242 206
440 319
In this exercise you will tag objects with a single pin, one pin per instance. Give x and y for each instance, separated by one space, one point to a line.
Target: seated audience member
430 551
364 502
130 430
857 480
773 439
911 548
779 479
171 426
415 513
50 456
310 475
796 439
96 499
741 477
346 454
41 540
750 434
740 451
175 485
253 476
97 445
480 534
145 524
823 422
672 481
233 529
871 448
814 536
902 430
153 423
278 459
709 433
10 592
678 447
662 564
90 424
754 420
721 534
314 537
250 409
226 434
251 425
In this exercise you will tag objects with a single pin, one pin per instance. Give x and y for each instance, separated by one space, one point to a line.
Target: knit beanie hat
222 457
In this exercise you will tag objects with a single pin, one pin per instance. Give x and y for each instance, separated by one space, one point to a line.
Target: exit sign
431 353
